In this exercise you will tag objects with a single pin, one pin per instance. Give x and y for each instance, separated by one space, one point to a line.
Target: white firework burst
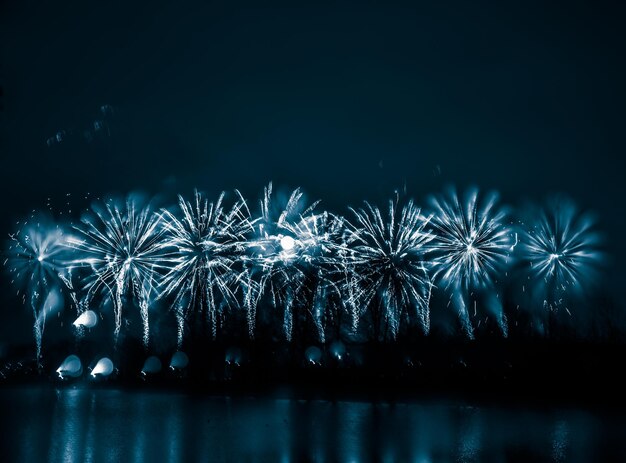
123 247
287 251
319 253
388 276
471 246
209 240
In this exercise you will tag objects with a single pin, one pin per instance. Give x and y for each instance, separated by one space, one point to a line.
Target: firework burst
562 250
209 240
36 260
291 243
319 252
122 245
388 275
470 248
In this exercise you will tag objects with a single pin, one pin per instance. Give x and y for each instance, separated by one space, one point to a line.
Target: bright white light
71 367
104 367
88 319
40 257
287 243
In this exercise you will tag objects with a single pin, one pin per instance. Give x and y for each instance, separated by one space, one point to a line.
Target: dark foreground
495 401
489 372
42 423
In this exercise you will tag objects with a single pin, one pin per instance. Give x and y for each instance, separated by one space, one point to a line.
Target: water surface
101 425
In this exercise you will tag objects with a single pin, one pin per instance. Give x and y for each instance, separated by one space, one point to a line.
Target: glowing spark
71 368
87 319
287 243
103 368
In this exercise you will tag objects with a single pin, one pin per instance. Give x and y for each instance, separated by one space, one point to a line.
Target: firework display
369 275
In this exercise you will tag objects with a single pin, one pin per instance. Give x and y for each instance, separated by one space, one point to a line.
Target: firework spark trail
209 240
470 248
562 250
124 249
388 273
37 259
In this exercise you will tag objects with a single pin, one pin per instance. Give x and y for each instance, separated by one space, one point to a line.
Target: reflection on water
105 425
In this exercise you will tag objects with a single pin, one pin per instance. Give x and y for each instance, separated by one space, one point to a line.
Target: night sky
349 101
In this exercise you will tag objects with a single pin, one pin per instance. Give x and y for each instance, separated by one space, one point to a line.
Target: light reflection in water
107 425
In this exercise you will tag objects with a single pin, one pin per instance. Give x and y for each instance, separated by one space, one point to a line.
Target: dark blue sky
346 100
